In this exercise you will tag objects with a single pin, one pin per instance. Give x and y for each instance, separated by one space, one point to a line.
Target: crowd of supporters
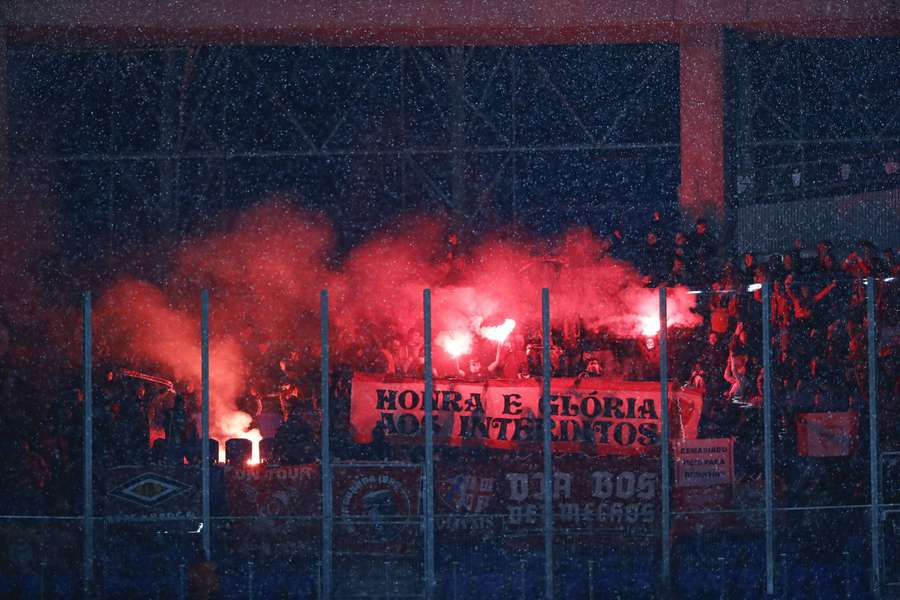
818 339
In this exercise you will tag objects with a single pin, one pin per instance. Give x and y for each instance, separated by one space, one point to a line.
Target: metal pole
767 438
327 508
204 415
522 594
319 580
590 580
785 592
664 440
455 579
874 485
847 574
182 581
88 509
722 593
427 403
548 457
43 580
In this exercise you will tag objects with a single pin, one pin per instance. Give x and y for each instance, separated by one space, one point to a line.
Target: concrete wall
844 220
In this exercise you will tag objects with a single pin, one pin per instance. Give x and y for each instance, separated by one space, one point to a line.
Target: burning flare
498 333
649 325
455 343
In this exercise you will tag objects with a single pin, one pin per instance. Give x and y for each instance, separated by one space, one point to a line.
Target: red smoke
136 320
266 269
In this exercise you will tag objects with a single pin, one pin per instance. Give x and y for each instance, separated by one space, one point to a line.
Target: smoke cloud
266 268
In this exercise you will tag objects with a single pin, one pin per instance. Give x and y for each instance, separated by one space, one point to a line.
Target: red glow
265 269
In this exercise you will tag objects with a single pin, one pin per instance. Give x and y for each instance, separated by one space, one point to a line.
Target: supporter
804 300
747 269
736 374
132 432
473 370
412 355
729 277
591 369
378 449
512 361
273 410
790 263
891 260
250 403
291 366
294 440
390 357
616 243
653 259
703 248
677 275
710 361
722 308
680 246
181 432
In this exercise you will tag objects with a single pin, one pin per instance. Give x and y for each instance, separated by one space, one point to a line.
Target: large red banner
376 507
273 491
285 503
609 416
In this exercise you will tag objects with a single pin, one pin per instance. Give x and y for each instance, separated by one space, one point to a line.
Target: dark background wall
140 142
144 143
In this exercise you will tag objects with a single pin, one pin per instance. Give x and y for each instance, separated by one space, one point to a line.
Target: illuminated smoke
498 333
266 268
455 343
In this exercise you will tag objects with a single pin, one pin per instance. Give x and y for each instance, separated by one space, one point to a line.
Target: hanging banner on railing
827 434
154 493
611 417
376 507
704 462
284 503
273 491
590 495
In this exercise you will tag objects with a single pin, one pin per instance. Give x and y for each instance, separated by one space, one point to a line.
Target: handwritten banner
704 462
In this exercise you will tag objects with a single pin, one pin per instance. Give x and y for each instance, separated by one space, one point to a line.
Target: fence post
43 580
319 579
590 580
548 456
664 441
522 595
455 579
785 575
767 438
204 416
846 555
327 508
182 581
429 452
722 584
874 486
88 509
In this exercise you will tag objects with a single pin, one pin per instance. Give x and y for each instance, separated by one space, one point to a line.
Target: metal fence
755 545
